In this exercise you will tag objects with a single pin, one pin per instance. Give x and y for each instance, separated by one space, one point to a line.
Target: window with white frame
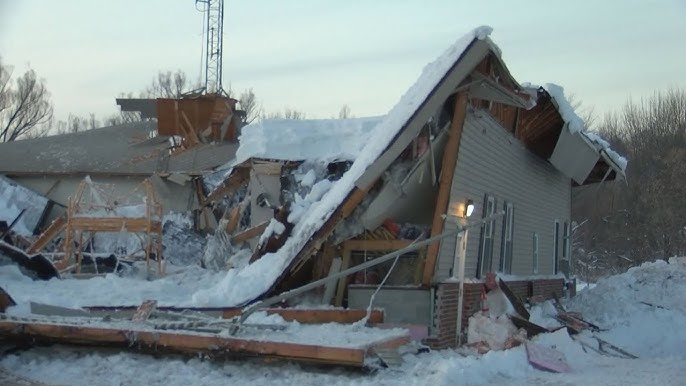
566 242
556 245
507 236
535 253
487 232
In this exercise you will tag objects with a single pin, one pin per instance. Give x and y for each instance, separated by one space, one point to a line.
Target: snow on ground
654 333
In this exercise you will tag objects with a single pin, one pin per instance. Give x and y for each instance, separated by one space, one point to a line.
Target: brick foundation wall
445 307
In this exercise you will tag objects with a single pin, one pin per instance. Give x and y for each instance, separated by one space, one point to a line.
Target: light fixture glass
469 208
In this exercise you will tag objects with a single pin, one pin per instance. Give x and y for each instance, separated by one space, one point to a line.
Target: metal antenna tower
214 24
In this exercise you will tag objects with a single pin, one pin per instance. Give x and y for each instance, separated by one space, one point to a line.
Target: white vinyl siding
491 161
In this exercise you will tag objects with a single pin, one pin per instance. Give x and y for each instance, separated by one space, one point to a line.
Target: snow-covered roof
305 139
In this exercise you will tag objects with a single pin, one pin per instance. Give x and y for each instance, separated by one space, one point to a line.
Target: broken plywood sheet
329 343
144 310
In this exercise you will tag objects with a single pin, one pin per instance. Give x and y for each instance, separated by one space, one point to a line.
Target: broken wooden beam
187 343
249 233
514 300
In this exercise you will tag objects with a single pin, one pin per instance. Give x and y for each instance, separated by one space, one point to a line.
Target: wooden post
344 280
445 183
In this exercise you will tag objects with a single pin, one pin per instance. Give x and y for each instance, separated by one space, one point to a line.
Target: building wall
491 161
401 304
445 305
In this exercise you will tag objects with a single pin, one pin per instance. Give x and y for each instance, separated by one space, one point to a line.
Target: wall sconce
468 208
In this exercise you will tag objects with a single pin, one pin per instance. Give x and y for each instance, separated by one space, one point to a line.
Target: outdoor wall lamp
468 208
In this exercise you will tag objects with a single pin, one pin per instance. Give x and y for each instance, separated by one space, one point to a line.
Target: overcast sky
316 56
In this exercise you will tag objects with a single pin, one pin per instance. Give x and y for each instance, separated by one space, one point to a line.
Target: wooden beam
189 343
342 282
445 183
237 178
376 245
354 198
114 224
55 227
306 316
249 233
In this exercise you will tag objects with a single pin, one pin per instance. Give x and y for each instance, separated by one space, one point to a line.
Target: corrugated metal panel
491 161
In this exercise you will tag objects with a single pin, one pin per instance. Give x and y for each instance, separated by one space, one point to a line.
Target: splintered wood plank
249 233
514 300
144 310
191 343
445 184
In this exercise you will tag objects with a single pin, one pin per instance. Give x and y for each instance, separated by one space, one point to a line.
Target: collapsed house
470 173
465 139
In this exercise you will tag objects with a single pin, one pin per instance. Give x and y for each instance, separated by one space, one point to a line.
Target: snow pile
324 139
644 308
242 286
175 289
614 302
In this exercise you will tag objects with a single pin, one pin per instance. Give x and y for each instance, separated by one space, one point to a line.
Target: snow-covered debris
14 198
644 308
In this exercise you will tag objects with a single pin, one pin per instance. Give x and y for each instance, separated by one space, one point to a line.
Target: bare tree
23 107
287 113
344 113
645 218
167 85
249 104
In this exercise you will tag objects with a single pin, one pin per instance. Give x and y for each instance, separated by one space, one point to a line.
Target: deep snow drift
653 331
